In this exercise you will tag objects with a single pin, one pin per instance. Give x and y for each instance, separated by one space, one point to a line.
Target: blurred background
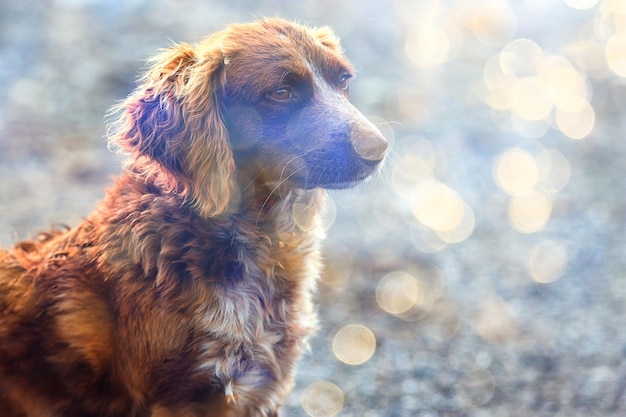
480 274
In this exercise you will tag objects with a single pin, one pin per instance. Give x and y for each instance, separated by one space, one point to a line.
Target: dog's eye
344 82
282 94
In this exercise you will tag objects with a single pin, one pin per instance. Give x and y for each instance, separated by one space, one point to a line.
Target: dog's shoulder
54 320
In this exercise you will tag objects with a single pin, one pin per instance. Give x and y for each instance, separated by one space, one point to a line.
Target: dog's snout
369 143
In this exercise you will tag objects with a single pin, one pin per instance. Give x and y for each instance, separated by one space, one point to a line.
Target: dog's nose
370 144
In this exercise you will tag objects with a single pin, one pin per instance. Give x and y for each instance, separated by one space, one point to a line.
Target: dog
188 290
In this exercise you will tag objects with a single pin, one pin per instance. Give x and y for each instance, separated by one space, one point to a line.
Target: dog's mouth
342 185
347 179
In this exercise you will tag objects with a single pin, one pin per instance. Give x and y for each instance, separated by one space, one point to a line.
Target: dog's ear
171 127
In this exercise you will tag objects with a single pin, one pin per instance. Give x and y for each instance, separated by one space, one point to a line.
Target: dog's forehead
277 45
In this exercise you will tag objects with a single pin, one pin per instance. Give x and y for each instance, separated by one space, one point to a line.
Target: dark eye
282 94
344 82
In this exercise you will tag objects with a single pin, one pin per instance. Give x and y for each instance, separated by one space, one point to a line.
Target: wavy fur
187 292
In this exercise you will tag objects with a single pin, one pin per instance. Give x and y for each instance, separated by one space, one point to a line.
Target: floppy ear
172 130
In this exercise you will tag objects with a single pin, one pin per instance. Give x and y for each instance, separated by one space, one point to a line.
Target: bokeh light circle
463 229
547 261
615 53
520 58
398 292
564 84
530 212
428 45
437 206
516 171
322 399
304 215
495 320
589 56
576 124
354 344
493 22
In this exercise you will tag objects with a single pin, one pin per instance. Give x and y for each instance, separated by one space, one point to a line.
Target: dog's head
268 98
287 107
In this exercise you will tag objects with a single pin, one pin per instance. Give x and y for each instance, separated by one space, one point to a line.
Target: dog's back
55 331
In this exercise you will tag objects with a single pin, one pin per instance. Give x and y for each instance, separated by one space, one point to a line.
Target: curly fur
187 292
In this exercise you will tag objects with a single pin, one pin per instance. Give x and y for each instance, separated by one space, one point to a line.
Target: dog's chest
257 322
211 306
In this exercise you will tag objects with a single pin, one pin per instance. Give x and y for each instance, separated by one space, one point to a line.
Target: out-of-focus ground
481 274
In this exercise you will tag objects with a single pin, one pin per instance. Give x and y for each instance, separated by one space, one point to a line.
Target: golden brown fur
187 292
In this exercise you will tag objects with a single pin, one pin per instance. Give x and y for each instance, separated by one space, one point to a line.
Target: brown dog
187 292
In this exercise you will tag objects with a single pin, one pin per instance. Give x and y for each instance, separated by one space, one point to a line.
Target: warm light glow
589 56
427 45
495 320
576 124
322 399
305 216
616 54
354 344
530 99
398 292
407 297
437 206
516 172
530 212
520 58
547 261
539 91
478 272
581 4
562 82
493 23
463 230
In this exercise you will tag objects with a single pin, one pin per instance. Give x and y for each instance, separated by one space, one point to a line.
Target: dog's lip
340 185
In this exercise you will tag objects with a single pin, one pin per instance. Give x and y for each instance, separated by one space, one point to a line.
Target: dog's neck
269 198
261 201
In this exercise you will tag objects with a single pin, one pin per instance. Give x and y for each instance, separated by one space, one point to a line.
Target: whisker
390 123
277 187
252 181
